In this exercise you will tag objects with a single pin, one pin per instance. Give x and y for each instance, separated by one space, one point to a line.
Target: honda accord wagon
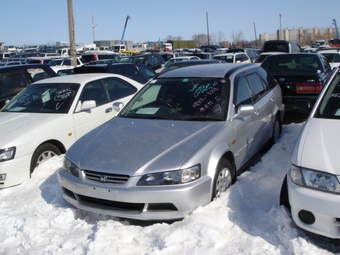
179 143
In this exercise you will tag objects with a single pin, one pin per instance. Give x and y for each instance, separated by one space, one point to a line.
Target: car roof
78 78
25 66
205 70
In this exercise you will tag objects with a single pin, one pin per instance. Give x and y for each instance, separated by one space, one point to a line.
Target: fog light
306 217
2 177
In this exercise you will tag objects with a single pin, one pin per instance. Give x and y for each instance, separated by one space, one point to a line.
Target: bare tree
201 39
220 37
173 38
237 38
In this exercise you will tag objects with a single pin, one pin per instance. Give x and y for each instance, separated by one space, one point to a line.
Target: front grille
113 204
106 177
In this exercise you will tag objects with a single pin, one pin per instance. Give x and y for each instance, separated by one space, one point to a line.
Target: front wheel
284 198
43 153
225 177
276 130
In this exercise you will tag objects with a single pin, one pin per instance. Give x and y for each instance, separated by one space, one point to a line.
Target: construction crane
336 29
126 21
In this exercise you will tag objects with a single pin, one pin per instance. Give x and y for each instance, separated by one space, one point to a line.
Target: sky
246 219
45 22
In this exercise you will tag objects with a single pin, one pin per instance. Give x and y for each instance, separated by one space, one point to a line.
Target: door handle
108 110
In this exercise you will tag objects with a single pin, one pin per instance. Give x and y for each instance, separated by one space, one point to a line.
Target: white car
48 116
176 59
233 57
332 55
311 189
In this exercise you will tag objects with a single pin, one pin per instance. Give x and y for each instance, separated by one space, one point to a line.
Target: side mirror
244 110
86 105
117 106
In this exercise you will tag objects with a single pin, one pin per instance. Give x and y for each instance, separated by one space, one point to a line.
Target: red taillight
309 87
95 57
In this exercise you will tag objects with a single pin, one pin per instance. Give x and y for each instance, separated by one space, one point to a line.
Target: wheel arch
56 143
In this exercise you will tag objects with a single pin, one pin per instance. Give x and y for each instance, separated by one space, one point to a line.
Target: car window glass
256 85
329 106
242 94
46 98
96 91
11 83
38 73
147 73
118 88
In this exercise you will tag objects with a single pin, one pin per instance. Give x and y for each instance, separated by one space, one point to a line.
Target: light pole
280 28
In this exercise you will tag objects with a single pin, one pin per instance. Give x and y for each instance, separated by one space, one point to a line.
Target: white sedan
311 188
48 116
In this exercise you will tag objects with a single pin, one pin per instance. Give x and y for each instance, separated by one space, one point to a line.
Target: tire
284 198
42 153
277 129
224 178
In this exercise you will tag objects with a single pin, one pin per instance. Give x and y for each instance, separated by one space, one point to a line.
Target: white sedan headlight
171 177
71 168
314 179
7 154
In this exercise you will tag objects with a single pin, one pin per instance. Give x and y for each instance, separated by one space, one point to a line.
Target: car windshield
226 58
289 63
329 106
44 98
181 99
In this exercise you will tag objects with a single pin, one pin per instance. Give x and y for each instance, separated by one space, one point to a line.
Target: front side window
44 98
181 99
329 106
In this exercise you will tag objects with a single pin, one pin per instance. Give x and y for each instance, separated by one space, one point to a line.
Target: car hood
135 146
15 125
319 145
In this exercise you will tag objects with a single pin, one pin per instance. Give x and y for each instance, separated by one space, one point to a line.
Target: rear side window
256 85
38 73
12 83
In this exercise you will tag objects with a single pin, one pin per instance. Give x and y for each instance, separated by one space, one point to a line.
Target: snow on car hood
136 146
320 145
15 126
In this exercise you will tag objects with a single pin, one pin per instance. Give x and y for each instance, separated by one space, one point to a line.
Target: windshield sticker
149 110
336 95
201 89
64 94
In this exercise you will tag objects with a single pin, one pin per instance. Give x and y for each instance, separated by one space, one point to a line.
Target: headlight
314 179
171 177
7 154
71 168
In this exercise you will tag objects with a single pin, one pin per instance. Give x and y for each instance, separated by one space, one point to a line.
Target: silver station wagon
179 143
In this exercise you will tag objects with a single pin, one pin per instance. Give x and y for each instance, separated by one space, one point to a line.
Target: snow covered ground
247 219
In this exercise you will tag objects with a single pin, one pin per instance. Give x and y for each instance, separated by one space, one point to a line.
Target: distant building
304 36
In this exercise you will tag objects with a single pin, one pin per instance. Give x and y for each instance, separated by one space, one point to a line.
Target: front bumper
315 211
129 201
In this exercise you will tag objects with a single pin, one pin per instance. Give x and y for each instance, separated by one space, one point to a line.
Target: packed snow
247 219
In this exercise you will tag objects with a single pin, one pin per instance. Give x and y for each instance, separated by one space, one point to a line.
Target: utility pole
93 26
208 29
280 28
255 35
71 33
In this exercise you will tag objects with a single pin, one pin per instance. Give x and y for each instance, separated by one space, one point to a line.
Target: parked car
281 46
179 143
203 55
10 63
262 56
65 62
15 78
332 55
102 61
300 75
39 60
191 63
176 59
152 60
233 57
92 55
311 188
135 71
47 117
